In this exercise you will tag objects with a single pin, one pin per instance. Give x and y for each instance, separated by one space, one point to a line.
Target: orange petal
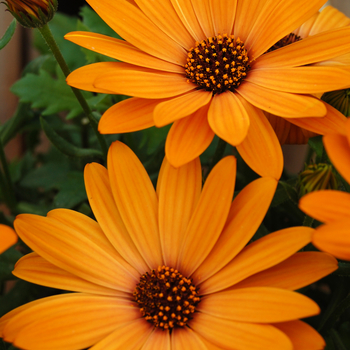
223 15
258 256
83 78
107 214
180 107
209 216
225 333
203 13
258 305
313 49
281 103
130 115
228 117
246 214
281 126
136 201
162 14
8 237
68 321
303 336
326 206
130 335
120 50
188 17
141 82
332 122
334 238
276 19
338 150
159 339
186 338
35 269
304 30
301 80
261 149
178 192
80 249
188 138
296 272
133 26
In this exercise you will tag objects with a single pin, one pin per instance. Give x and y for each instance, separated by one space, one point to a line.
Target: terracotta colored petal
130 115
281 103
277 19
185 11
246 214
81 251
209 216
296 272
338 150
332 122
223 15
303 336
258 256
328 19
159 339
228 117
186 338
83 78
258 305
261 149
188 138
334 238
280 125
203 13
301 80
120 50
162 14
326 206
68 321
133 26
179 107
8 237
225 333
35 269
107 214
136 201
178 194
126 79
132 335
313 49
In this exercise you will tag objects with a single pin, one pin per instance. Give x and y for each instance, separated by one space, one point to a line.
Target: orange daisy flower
8 237
296 131
202 67
166 268
333 207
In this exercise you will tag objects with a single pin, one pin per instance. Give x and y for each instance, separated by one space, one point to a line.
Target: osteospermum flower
298 131
201 66
166 269
333 207
8 237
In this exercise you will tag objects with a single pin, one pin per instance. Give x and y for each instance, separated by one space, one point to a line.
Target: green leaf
66 147
316 144
8 34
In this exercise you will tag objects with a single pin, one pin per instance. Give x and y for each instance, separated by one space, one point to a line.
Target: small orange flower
166 269
203 67
8 237
333 207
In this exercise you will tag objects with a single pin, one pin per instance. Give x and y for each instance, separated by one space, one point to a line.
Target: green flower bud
339 99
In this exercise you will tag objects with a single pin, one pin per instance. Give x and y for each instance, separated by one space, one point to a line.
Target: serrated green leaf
8 34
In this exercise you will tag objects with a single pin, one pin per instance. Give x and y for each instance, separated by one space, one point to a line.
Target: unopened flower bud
339 99
32 13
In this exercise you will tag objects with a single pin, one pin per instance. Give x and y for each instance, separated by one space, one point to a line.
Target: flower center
218 63
166 298
288 39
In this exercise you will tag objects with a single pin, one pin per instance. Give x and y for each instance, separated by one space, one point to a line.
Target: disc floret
217 63
166 298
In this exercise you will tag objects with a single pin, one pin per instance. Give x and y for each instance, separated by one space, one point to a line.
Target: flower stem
47 35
